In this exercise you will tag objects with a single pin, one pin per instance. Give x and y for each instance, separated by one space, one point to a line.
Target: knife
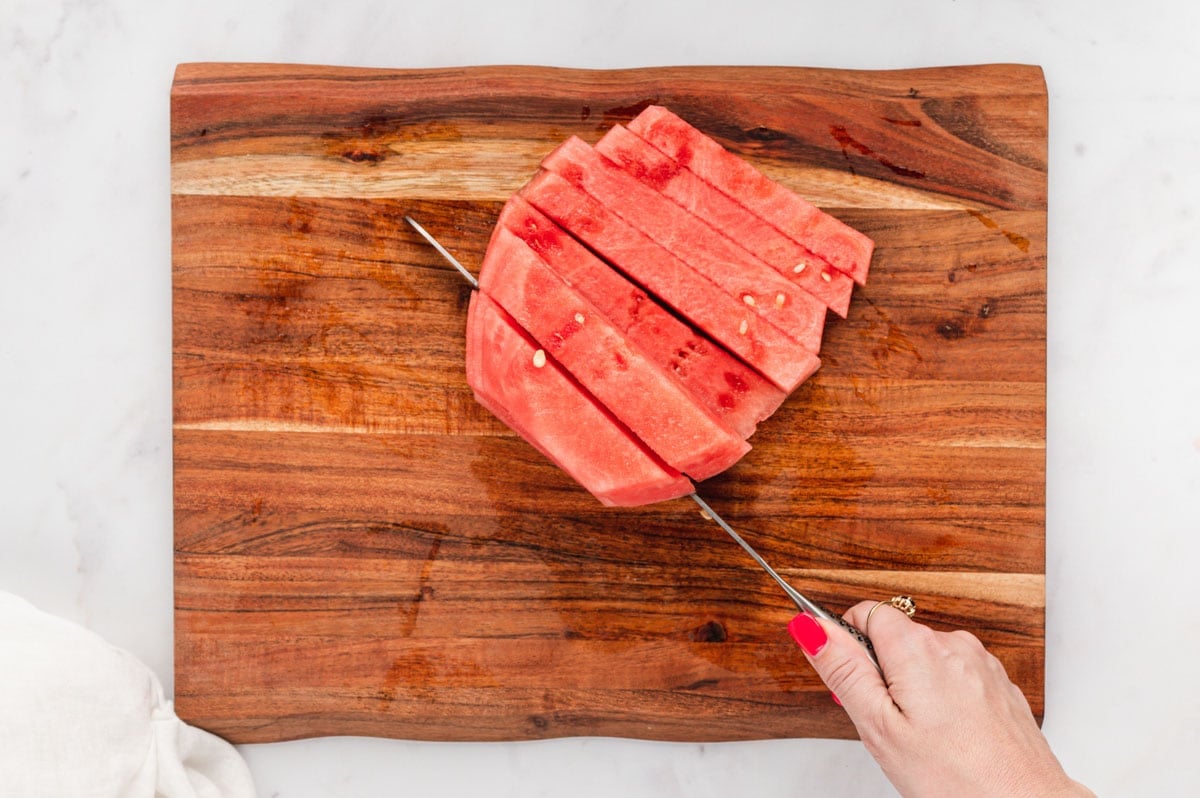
804 603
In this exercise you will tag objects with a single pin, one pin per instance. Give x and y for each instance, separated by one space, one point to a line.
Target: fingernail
836 700
808 634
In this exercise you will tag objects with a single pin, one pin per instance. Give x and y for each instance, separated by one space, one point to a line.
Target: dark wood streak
545 105
360 548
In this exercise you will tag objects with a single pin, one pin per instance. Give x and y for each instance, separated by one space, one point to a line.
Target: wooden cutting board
361 549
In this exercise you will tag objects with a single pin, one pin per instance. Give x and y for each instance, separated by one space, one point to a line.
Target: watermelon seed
799 267
704 514
825 276
779 300
749 300
579 318
539 358
745 325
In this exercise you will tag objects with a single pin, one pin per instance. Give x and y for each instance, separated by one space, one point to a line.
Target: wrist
1046 781
1060 786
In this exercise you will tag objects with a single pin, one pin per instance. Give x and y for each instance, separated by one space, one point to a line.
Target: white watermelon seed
745 325
749 300
799 267
779 300
579 318
704 514
539 358
825 276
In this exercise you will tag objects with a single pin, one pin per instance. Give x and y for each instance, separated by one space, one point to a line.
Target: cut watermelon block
696 243
725 319
552 412
730 390
839 244
791 259
651 402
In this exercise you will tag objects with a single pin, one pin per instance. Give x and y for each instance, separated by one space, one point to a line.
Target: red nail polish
808 634
836 700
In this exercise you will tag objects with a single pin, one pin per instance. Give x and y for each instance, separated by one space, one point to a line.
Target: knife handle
861 638
855 632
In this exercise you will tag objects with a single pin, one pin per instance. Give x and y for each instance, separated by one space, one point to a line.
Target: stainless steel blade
443 251
803 602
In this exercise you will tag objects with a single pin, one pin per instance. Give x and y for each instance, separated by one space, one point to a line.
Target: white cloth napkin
80 717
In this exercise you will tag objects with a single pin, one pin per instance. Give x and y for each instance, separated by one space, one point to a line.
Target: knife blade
804 603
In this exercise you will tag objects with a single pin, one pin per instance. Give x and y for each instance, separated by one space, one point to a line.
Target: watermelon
547 408
644 304
725 319
711 254
794 261
840 245
729 389
645 398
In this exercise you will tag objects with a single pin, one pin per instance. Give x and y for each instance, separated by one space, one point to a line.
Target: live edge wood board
361 549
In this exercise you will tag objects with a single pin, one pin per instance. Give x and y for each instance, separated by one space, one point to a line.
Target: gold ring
905 604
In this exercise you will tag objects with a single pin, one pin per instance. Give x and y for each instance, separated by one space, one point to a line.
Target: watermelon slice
693 241
648 400
723 318
794 261
840 245
543 405
644 304
728 388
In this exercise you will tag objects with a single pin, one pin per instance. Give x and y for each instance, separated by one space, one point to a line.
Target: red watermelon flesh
839 244
552 412
726 320
646 399
791 259
693 241
726 387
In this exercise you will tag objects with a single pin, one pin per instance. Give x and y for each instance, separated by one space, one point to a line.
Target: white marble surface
85 447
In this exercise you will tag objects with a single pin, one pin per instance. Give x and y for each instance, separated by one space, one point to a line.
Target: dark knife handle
854 631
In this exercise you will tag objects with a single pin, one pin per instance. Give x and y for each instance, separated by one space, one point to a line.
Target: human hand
947 721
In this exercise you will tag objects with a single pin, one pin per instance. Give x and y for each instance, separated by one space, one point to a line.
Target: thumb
844 667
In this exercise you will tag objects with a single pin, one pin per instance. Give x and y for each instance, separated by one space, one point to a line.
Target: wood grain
361 549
